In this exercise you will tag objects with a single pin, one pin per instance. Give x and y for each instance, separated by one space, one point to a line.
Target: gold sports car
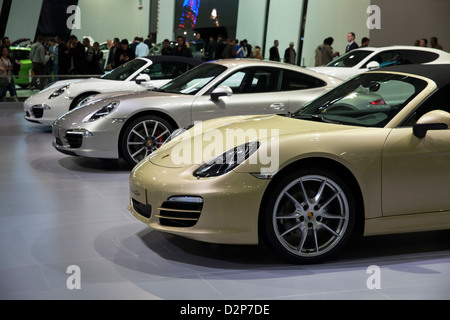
371 156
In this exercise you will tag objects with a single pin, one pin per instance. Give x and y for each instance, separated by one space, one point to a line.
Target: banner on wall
53 18
191 15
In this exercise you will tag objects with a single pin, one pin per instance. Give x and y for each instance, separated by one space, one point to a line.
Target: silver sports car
132 125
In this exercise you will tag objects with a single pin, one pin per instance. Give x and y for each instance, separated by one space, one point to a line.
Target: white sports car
131 126
139 74
369 58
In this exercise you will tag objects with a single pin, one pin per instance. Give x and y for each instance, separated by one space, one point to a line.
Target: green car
23 76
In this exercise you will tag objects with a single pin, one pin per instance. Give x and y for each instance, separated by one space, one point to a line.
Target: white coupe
369 58
139 74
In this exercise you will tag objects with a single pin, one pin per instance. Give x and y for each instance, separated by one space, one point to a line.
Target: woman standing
6 73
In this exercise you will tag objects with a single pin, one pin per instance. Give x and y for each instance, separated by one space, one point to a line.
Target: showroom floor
64 221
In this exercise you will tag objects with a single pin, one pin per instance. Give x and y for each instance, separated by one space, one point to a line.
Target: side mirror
433 120
372 65
142 78
222 91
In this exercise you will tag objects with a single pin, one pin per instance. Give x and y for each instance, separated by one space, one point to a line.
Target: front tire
143 136
310 216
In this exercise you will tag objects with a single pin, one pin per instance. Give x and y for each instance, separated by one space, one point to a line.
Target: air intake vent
180 211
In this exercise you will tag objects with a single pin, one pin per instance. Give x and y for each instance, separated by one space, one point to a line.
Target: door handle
277 106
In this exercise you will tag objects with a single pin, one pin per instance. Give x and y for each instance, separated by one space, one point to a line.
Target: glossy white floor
58 211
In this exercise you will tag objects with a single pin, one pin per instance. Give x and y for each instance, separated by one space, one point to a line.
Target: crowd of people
434 43
53 59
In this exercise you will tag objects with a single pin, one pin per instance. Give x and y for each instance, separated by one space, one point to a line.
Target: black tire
309 229
142 136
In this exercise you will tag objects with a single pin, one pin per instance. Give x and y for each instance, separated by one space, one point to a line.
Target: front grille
179 213
144 210
38 111
75 139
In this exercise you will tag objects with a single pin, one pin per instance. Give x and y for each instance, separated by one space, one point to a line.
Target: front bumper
228 214
47 112
88 142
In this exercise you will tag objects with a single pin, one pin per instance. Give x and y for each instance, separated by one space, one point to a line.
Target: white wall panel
250 22
107 19
333 18
284 24
166 20
23 19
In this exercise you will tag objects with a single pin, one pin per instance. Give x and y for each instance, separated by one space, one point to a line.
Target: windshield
350 59
125 71
193 81
368 100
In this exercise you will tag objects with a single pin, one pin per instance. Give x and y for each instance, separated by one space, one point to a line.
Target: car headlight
227 161
102 112
59 91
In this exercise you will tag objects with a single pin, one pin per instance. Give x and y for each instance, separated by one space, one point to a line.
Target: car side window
253 80
298 81
165 70
417 56
387 58
440 100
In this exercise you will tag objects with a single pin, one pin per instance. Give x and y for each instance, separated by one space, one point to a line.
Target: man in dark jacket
77 55
181 49
123 54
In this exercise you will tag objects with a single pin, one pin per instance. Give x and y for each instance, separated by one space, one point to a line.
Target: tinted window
193 81
439 100
394 57
125 70
387 58
298 81
166 70
416 56
350 59
253 80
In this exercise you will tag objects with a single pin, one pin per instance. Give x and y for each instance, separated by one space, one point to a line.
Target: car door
256 90
416 171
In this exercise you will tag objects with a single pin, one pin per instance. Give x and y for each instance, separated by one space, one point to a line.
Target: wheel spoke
320 192
154 128
166 131
305 195
330 199
138 134
315 239
289 216
333 216
324 226
289 230
297 204
144 124
137 152
303 239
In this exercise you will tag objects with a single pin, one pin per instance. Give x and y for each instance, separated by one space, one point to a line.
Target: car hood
230 132
129 102
342 73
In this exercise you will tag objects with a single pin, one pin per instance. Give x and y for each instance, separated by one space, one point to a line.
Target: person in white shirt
142 49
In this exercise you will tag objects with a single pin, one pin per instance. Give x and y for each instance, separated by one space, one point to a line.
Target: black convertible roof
439 73
170 58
